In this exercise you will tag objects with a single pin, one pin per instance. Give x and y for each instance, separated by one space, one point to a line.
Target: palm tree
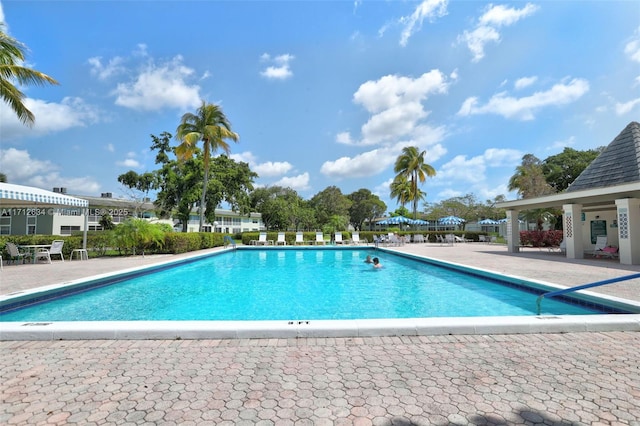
401 189
209 125
411 165
11 69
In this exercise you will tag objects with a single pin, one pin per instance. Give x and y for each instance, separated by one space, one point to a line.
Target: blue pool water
294 285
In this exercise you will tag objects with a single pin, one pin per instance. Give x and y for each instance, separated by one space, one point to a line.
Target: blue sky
322 92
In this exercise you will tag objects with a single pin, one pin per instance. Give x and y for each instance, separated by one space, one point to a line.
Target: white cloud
524 108
392 90
111 148
473 170
21 168
632 48
626 107
159 86
477 39
129 162
51 117
264 169
396 105
523 82
502 15
299 183
272 168
494 17
373 162
103 72
280 68
362 165
429 9
558 145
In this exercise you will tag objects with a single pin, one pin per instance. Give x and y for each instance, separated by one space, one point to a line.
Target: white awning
27 196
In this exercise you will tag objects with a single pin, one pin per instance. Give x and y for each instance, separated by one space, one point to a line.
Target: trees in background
529 180
178 182
562 169
365 206
331 208
282 208
411 166
13 71
210 126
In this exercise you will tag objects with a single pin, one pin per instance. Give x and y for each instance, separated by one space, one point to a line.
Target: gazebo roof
619 163
614 174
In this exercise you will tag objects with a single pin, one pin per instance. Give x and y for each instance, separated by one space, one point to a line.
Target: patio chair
319 239
262 240
418 238
15 254
299 238
281 239
355 238
56 248
337 239
601 243
449 239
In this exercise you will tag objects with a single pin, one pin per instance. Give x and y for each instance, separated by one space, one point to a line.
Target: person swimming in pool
376 263
368 259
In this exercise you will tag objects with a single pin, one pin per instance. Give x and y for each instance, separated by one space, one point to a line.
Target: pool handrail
582 287
227 240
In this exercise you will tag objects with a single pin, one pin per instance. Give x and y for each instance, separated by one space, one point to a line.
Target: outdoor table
33 248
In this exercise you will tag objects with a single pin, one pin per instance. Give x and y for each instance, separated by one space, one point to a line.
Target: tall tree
401 189
411 165
330 202
529 179
12 70
366 206
210 126
281 208
562 169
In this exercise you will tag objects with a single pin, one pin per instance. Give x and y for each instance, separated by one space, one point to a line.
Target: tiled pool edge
185 330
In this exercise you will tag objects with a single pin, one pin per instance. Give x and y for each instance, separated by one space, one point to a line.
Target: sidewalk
533 379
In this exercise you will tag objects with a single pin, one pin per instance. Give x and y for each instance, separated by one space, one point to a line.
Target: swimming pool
336 283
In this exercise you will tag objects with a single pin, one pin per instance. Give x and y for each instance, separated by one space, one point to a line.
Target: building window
5 223
32 221
67 230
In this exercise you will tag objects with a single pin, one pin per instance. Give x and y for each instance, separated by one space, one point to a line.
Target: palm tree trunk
202 199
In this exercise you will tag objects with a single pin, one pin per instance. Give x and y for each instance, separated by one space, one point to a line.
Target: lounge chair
15 254
601 243
337 239
262 240
56 248
355 238
449 239
281 239
418 238
319 239
299 238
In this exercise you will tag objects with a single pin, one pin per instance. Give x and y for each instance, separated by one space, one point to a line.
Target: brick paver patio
532 379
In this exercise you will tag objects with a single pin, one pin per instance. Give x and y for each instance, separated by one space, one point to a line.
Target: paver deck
551 379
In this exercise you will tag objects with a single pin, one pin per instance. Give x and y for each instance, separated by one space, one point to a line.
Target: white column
513 231
573 230
629 230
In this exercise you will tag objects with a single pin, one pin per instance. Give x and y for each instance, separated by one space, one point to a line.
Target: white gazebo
603 200
14 197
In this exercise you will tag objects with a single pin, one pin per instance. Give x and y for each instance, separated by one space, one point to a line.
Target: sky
322 93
